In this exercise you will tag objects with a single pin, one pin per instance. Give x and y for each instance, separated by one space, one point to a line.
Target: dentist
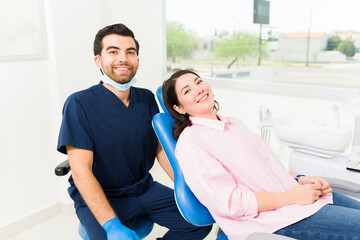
107 134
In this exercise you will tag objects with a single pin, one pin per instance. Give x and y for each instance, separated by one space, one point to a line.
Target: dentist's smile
122 68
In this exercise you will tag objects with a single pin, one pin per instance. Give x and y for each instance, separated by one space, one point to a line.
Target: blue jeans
338 221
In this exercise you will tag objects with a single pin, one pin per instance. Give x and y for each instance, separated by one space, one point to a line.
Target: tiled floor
64 227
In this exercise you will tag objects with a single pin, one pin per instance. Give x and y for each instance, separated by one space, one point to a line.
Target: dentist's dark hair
118 29
170 99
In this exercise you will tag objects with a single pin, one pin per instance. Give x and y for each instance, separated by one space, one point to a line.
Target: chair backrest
190 207
160 99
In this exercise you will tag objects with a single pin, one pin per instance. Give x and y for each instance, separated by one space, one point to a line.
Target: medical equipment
324 137
264 116
353 106
317 146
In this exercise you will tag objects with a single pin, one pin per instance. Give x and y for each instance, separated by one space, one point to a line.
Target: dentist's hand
325 186
116 231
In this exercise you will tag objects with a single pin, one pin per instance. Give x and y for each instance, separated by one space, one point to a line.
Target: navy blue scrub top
121 138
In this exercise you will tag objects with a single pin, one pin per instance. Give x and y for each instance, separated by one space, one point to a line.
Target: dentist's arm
164 162
81 161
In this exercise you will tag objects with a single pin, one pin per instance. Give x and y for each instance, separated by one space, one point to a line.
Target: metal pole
259 61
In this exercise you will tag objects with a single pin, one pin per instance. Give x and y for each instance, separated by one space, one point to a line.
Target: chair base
143 227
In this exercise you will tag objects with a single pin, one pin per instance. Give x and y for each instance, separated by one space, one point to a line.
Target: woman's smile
203 98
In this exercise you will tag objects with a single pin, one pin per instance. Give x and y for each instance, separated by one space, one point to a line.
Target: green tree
180 41
348 48
239 45
333 42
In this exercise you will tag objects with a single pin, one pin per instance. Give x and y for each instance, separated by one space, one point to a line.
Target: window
22 30
306 42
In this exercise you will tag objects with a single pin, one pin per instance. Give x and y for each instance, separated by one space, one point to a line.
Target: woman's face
195 96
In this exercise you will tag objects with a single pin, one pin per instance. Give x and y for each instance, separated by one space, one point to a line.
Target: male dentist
107 134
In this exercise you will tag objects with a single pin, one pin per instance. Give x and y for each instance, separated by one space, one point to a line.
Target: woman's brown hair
170 99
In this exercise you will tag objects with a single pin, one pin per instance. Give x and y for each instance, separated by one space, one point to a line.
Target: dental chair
189 206
142 226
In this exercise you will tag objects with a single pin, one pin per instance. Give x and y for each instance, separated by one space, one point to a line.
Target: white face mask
117 86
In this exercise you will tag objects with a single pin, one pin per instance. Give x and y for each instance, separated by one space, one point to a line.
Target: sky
204 16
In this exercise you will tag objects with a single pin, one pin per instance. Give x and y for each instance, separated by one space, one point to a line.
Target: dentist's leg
160 206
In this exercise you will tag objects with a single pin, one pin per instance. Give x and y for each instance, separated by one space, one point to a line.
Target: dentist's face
195 96
118 58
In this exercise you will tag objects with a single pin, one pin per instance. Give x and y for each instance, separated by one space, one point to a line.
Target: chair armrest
267 236
343 184
63 168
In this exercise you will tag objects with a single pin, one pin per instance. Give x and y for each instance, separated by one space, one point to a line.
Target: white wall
33 93
27 154
31 99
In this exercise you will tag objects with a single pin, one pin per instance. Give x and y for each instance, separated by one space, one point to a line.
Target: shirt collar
219 125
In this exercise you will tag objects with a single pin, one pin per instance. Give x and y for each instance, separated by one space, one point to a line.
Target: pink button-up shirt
224 163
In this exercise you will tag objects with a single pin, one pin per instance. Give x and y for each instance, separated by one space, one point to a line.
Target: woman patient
241 181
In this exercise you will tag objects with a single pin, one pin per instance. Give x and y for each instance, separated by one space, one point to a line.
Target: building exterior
205 46
302 47
355 37
290 47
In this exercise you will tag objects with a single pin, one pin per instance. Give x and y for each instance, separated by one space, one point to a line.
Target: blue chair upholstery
142 226
189 206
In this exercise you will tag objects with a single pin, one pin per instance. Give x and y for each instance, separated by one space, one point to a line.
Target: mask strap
101 70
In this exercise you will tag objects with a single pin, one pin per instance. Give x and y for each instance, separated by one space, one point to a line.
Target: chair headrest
160 98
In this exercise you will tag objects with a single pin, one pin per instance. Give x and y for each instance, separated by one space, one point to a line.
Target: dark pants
157 204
